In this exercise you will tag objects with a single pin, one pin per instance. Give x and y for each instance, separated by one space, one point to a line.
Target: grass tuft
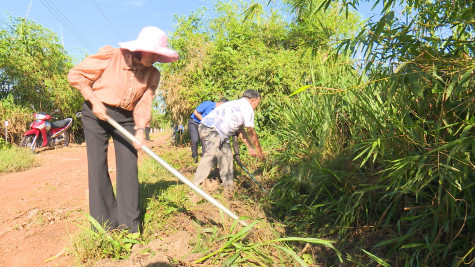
14 159
90 246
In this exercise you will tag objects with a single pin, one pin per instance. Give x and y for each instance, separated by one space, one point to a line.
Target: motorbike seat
60 124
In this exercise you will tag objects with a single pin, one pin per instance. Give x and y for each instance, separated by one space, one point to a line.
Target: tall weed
13 158
396 156
18 118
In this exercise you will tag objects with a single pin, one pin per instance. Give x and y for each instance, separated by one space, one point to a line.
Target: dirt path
34 207
37 207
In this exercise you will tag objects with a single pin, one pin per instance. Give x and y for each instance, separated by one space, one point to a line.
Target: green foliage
33 68
18 117
13 158
90 246
159 119
316 170
399 155
168 209
236 251
4 144
161 197
225 55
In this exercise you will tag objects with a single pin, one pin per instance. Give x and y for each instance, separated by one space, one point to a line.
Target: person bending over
218 126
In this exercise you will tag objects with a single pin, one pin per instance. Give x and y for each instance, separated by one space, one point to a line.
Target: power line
72 26
63 19
112 26
90 22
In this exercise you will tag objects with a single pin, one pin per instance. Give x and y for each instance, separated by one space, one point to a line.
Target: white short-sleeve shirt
229 116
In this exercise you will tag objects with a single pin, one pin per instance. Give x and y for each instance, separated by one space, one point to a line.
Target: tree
33 68
34 65
224 55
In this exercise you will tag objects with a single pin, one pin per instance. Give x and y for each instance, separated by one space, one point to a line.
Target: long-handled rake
173 171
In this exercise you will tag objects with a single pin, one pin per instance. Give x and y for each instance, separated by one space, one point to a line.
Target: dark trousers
120 210
195 138
217 151
147 133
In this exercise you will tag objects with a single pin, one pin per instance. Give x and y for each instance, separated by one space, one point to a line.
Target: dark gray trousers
195 138
120 210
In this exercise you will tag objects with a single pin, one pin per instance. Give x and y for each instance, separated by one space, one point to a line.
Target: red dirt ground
37 207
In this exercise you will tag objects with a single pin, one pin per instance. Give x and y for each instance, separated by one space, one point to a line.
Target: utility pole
29 7
61 30
6 131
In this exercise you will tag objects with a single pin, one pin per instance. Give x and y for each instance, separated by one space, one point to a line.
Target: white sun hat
152 39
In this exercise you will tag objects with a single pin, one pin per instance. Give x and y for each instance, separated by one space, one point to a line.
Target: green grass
90 246
228 245
236 250
386 172
214 238
161 196
13 159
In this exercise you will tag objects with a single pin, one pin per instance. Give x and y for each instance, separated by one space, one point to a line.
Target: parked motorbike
42 133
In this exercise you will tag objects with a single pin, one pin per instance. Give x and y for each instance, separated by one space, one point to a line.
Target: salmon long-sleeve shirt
111 76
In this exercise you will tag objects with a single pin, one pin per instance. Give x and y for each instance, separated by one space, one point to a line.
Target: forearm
198 115
254 140
139 135
245 139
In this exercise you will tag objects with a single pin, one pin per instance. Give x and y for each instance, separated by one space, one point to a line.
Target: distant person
120 83
218 126
147 132
202 110
178 131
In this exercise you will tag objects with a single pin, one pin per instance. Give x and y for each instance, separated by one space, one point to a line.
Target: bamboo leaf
362 153
293 254
413 245
416 88
451 87
400 67
375 258
392 240
465 77
233 258
303 88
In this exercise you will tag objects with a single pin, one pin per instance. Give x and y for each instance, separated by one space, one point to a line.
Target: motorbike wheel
28 141
66 137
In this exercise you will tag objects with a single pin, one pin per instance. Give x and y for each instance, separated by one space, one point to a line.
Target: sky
84 26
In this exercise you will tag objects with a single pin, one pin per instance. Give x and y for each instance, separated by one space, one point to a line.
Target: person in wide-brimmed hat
120 83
